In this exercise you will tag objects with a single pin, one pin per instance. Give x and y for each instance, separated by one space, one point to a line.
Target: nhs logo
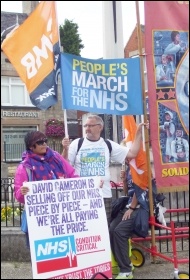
55 253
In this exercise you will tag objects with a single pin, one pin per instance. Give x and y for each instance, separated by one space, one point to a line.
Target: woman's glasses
41 142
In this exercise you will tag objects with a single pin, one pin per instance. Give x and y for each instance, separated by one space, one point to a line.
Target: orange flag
138 165
33 49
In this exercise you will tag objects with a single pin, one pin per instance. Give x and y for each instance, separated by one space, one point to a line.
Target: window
14 92
13 137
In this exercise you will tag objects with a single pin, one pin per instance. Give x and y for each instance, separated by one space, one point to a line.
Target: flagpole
64 111
112 39
145 119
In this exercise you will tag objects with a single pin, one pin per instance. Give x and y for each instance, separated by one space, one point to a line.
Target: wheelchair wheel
183 275
137 257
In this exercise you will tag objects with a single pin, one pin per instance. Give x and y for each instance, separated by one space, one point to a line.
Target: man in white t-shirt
93 157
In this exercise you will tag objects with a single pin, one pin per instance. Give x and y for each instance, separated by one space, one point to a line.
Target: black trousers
120 232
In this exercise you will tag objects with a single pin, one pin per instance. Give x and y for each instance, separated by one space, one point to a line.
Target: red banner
167 58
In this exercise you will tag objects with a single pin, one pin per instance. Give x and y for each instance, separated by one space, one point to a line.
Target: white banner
68 230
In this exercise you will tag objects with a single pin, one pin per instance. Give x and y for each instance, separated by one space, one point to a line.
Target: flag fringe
172 189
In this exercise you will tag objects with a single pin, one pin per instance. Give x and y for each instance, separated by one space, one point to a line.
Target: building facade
18 114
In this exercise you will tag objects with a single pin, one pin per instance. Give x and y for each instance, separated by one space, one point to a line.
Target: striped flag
33 49
138 165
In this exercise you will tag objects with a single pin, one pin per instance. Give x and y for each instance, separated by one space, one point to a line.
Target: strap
109 145
80 144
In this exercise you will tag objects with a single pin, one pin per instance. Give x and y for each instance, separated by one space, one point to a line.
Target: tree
69 37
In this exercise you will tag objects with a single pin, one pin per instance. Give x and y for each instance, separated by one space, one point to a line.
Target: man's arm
172 48
133 205
134 201
137 141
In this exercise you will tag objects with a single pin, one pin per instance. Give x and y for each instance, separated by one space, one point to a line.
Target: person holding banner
121 229
122 225
39 162
93 158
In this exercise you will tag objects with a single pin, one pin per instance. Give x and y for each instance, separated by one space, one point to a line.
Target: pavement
161 269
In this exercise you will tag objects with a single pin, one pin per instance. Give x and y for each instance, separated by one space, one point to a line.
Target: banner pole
125 185
147 147
64 111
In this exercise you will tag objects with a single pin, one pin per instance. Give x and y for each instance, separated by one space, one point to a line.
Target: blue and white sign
106 86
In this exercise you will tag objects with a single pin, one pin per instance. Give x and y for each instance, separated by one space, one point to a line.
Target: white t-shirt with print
93 159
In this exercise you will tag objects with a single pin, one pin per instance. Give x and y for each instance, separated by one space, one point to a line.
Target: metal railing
8 203
13 152
9 216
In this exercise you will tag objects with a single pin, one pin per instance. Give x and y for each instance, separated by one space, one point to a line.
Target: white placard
68 230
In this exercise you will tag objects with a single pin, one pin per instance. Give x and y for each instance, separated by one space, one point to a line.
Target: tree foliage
70 38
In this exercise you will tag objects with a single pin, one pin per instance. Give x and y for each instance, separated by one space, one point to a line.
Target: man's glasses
91 125
41 142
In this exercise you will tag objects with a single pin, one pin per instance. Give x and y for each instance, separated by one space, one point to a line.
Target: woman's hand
66 143
24 190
